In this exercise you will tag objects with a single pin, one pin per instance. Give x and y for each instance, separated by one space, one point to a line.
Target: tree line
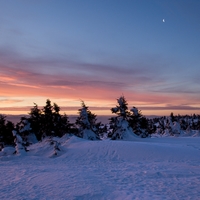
48 122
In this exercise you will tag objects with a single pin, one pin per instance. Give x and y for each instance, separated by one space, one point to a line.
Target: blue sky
97 50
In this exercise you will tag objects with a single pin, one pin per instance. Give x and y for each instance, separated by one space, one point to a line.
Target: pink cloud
103 84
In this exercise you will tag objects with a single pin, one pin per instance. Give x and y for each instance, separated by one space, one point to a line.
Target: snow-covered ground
151 168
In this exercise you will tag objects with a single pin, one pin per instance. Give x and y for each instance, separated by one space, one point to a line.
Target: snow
7 151
135 111
84 116
124 132
150 168
89 134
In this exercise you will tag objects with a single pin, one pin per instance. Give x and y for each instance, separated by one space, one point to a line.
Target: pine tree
122 108
86 124
6 127
120 128
46 121
172 117
35 119
138 122
24 129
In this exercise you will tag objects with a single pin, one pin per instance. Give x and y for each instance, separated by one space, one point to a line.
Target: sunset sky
98 50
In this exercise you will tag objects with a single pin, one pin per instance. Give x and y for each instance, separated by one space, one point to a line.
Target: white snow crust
151 168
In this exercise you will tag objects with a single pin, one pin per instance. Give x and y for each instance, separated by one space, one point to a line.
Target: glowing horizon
160 110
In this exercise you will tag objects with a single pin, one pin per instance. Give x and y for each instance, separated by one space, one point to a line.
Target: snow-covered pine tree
138 122
188 131
168 127
176 128
198 123
173 126
183 123
25 131
19 143
86 124
120 128
122 108
161 124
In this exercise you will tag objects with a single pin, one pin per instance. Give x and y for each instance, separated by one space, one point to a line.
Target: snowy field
153 168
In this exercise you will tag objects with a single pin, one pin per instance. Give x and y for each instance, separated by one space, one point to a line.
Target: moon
163 20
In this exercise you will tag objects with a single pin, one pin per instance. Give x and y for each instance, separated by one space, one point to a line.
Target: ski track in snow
154 168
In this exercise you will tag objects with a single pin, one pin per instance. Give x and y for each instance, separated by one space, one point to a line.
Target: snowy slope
153 168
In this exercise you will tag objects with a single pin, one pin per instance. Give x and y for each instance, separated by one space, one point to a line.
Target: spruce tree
6 127
138 122
122 108
24 129
35 119
87 127
45 122
120 128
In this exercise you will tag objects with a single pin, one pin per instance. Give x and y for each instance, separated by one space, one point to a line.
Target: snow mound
49 147
7 151
53 147
197 134
31 139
